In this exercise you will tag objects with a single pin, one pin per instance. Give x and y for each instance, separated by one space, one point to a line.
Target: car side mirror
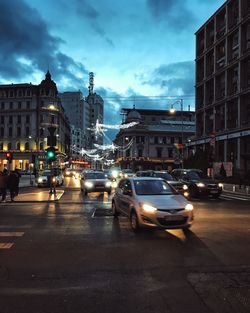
127 192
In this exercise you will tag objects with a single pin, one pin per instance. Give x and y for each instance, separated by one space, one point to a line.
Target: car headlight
54 179
108 184
189 207
148 208
220 185
67 173
126 175
40 180
200 185
115 174
185 187
88 184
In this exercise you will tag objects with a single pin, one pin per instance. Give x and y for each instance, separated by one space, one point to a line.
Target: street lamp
172 110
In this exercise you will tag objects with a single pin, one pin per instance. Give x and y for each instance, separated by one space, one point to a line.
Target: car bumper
209 192
165 220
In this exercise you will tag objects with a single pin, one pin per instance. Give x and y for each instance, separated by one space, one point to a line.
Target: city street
71 255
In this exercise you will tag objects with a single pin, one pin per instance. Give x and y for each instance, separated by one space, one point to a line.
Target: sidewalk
236 190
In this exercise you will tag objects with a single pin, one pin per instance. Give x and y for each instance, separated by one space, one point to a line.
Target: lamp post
172 111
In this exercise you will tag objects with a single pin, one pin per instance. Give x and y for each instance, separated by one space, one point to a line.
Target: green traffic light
51 154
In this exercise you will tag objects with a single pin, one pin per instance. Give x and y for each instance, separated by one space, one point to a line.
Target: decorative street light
172 110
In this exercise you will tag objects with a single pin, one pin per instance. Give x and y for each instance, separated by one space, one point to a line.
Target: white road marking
6 245
11 234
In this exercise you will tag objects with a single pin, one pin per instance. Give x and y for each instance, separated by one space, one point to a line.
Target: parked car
95 181
199 184
151 202
178 185
43 179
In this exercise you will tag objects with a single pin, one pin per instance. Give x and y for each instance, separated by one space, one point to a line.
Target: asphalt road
72 256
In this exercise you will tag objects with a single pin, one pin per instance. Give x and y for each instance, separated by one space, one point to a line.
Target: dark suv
199 184
178 185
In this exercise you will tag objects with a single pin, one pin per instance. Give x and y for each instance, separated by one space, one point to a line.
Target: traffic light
51 154
9 156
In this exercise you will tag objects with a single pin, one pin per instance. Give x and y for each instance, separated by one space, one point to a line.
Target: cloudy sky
136 48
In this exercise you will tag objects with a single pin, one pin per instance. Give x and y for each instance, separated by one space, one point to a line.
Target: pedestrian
13 184
52 182
3 184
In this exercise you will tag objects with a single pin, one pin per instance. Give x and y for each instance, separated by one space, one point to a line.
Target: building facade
157 141
78 112
223 85
26 113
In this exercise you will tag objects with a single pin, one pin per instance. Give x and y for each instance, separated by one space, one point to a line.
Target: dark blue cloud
173 79
24 36
173 12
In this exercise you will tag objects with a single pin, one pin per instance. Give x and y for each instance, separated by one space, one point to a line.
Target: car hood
174 182
100 180
205 181
43 177
164 202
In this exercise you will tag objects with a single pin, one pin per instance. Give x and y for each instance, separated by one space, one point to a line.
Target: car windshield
46 173
95 176
152 187
197 175
165 176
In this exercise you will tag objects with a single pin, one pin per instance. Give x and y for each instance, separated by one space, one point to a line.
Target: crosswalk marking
11 234
6 245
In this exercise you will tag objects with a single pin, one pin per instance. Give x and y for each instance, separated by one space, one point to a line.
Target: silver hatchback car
151 202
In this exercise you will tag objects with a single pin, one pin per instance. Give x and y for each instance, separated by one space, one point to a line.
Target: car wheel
114 210
134 223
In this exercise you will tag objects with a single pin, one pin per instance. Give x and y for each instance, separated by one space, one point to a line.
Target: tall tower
91 83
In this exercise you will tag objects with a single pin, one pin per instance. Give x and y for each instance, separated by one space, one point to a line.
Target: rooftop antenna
91 83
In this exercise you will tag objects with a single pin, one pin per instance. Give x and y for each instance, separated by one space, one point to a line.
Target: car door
126 199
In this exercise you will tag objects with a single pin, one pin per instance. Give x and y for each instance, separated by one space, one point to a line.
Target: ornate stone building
27 111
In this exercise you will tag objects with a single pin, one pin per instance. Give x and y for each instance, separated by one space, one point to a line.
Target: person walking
3 184
13 184
52 180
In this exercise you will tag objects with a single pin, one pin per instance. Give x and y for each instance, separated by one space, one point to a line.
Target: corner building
223 85
26 113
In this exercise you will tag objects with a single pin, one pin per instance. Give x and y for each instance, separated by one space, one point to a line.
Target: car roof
142 178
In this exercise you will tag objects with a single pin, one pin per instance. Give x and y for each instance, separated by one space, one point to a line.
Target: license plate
173 218
214 191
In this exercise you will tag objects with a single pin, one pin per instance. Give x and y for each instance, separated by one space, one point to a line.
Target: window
10 132
11 105
27 104
170 153
1 145
172 140
19 105
2 131
27 119
28 93
18 145
2 105
140 151
27 132
2 119
9 146
19 93
41 145
41 131
18 131
159 152
27 146
155 139
10 119
19 120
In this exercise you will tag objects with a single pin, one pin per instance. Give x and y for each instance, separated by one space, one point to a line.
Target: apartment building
223 85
